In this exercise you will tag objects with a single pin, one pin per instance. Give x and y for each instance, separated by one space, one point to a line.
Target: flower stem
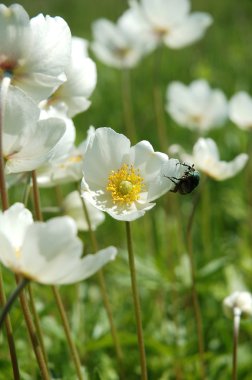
11 300
37 323
55 291
105 298
10 339
196 305
127 106
158 102
137 307
4 199
33 336
67 331
237 317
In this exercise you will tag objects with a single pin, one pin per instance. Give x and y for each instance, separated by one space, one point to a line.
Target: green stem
10 338
127 107
37 323
63 315
237 317
71 345
5 204
196 305
137 307
105 298
11 300
33 336
159 102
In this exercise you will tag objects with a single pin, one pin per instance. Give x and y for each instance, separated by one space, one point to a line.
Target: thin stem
9 333
127 106
5 204
67 330
11 300
33 335
137 307
158 102
237 318
37 323
196 305
105 298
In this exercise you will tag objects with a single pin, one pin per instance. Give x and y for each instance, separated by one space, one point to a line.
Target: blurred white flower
167 21
81 79
240 110
73 207
33 52
27 141
49 253
196 106
239 301
114 45
206 158
66 169
123 180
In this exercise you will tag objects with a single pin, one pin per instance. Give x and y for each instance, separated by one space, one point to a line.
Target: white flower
65 170
34 52
167 21
196 106
240 301
73 207
49 253
81 80
123 180
240 110
114 45
27 141
206 158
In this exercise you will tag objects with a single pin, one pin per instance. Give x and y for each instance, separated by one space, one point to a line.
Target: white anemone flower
240 110
48 253
114 45
65 144
239 300
197 106
81 79
33 52
27 141
206 158
73 207
165 21
123 180
68 168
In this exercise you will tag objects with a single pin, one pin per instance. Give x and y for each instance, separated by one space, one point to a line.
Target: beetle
187 183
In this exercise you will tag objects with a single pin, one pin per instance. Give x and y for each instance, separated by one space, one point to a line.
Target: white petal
88 265
240 110
38 147
14 32
191 29
14 223
51 45
22 108
104 153
74 208
165 12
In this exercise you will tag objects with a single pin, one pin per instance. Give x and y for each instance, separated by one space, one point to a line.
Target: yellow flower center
125 185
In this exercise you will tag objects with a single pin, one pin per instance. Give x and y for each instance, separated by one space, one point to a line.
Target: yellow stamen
18 253
125 185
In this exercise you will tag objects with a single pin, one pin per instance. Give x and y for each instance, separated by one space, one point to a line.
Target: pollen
125 185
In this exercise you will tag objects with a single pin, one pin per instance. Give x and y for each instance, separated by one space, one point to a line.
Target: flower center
125 185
